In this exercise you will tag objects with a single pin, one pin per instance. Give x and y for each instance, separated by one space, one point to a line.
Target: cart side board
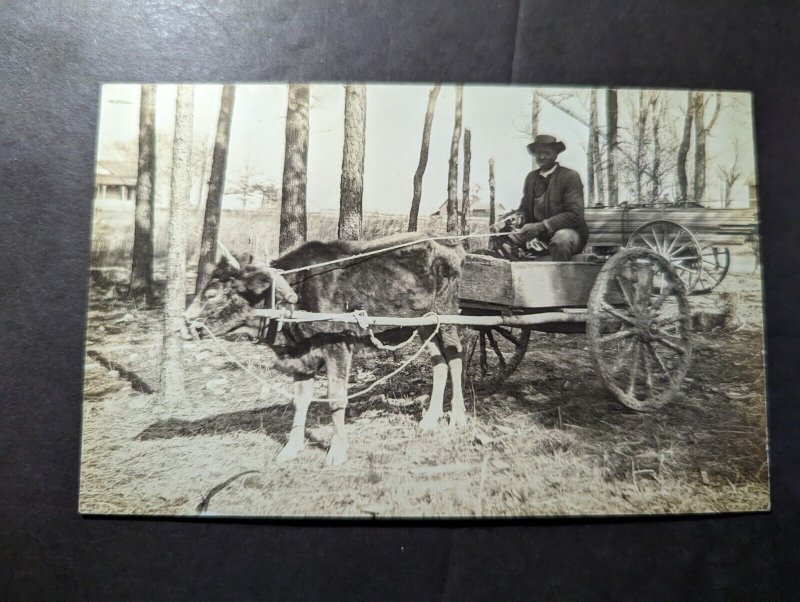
527 284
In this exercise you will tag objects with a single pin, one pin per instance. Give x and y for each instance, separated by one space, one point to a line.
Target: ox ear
254 279
244 259
258 279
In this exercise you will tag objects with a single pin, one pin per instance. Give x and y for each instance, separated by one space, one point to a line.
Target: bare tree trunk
658 113
535 108
590 150
142 264
683 149
465 200
594 132
640 145
492 210
423 158
352 184
702 130
590 170
452 174
611 108
295 166
699 148
730 177
216 189
172 385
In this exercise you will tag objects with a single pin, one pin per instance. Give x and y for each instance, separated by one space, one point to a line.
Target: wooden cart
696 239
632 306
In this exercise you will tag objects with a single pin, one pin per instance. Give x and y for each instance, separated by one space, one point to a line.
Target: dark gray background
53 57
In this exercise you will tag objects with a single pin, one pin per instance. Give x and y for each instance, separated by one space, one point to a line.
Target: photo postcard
424 301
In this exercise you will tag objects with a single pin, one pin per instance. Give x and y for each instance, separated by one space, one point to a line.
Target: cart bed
531 285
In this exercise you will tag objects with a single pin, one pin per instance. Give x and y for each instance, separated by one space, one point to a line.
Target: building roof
475 205
115 173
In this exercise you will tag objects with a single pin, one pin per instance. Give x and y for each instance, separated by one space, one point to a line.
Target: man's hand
528 232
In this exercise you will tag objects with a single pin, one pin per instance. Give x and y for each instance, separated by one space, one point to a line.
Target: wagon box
489 280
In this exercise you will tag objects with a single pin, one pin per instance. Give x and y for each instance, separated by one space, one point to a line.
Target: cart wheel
639 328
492 353
716 261
674 242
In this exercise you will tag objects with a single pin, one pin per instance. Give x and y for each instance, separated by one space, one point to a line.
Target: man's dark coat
561 205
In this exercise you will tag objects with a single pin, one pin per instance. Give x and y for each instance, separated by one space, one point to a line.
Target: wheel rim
715 264
493 353
639 329
676 244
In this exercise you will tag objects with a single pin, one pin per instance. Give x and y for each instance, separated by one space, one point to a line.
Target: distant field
256 232
252 231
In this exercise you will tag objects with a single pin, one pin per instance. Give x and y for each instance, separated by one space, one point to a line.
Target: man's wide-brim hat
545 141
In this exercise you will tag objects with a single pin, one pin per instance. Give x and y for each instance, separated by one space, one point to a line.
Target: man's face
545 158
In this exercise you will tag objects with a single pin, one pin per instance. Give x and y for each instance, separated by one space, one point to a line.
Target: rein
387 250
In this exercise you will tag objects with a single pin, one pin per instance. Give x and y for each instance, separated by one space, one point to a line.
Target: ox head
234 288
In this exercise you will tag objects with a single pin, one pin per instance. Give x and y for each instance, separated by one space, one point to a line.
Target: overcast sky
498 117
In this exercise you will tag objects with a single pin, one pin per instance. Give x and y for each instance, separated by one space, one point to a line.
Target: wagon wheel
716 261
492 353
639 328
674 242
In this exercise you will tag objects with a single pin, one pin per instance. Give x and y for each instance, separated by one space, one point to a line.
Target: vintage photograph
423 300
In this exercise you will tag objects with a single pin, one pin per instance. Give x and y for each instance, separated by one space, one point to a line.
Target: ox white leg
303 393
338 366
458 412
436 407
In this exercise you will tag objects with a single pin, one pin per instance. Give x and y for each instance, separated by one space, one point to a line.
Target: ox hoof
429 421
290 451
337 454
458 420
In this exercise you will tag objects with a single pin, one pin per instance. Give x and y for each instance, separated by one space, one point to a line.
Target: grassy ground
548 441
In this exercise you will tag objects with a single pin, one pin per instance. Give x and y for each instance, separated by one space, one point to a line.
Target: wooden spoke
648 376
473 344
507 334
618 336
617 314
671 246
627 290
496 350
647 243
659 361
645 289
667 343
659 246
667 320
714 268
622 359
676 253
484 365
681 265
634 369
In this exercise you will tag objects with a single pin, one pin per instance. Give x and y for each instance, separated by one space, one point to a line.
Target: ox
404 282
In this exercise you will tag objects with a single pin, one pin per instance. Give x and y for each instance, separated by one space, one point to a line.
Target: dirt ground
548 441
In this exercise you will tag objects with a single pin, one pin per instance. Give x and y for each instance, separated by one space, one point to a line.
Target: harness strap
386 250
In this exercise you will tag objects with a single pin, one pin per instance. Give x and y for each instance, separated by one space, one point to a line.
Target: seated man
552 204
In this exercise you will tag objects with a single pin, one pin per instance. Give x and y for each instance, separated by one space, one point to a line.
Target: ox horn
229 256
